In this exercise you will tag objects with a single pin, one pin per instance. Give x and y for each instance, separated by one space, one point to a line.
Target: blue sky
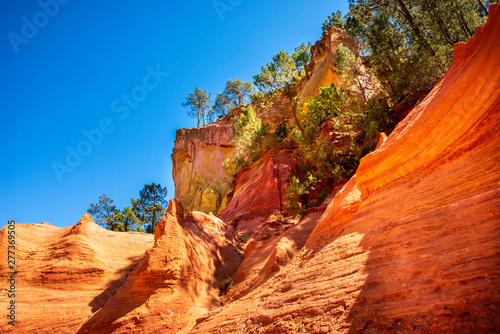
117 72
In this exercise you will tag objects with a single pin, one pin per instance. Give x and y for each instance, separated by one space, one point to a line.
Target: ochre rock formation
259 190
320 72
85 279
411 243
66 274
177 281
201 183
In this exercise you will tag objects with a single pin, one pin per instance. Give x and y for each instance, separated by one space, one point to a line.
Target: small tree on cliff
199 104
334 19
278 74
235 94
103 212
248 138
151 205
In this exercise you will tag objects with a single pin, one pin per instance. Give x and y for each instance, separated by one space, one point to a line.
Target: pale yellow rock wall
201 183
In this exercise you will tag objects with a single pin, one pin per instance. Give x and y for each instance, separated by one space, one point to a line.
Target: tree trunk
294 111
464 25
361 87
414 27
482 6
443 29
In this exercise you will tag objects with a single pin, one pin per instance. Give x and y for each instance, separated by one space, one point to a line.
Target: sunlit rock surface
321 72
410 244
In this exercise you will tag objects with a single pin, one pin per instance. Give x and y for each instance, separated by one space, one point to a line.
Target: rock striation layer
257 208
411 243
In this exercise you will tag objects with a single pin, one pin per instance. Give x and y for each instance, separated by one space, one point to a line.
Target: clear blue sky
69 68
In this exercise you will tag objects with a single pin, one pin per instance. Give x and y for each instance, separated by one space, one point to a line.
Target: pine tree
126 220
199 104
151 205
103 212
235 94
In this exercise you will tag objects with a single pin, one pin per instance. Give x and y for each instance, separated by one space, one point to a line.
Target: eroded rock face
177 281
320 72
66 274
201 183
410 244
259 190
257 210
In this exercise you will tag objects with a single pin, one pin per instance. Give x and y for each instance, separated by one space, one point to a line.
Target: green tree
235 94
348 66
325 105
211 116
199 104
277 74
103 212
280 79
151 205
410 42
126 220
334 19
221 105
249 133
302 56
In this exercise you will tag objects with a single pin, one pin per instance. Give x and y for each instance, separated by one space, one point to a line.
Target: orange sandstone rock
177 281
320 72
259 190
65 274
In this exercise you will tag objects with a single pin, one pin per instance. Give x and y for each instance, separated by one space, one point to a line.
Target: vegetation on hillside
410 43
406 46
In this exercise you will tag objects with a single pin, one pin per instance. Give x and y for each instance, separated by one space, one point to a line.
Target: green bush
294 200
252 138
244 238
226 284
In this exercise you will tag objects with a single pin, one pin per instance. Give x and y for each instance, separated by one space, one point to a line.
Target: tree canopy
148 210
334 19
151 205
103 212
235 94
198 103
126 220
276 74
410 43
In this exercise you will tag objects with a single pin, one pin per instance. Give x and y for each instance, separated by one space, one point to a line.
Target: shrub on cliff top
248 139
